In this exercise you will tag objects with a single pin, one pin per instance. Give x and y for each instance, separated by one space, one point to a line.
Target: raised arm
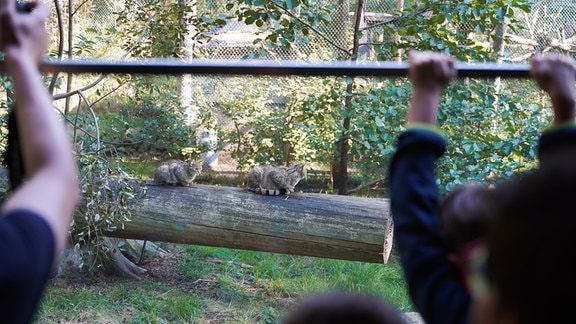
556 74
429 73
434 283
51 189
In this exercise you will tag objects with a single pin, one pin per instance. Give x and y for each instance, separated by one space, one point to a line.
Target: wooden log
318 225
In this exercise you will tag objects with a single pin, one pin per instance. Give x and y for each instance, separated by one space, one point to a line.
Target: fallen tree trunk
318 225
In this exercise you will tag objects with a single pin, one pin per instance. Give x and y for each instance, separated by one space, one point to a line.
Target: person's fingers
542 66
538 66
36 18
452 64
38 9
411 54
429 66
7 24
449 67
569 62
25 33
7 6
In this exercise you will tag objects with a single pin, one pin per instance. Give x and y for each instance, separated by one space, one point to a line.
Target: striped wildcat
273 180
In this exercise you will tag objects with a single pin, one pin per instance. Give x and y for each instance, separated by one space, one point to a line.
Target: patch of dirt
159 269
166 270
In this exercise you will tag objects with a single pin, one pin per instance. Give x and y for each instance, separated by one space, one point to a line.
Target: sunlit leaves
157 29
284 22
463 29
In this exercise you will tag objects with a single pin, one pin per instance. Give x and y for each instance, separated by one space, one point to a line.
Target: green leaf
275 15
291 4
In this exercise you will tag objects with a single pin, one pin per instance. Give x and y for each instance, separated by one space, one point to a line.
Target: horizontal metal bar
277 68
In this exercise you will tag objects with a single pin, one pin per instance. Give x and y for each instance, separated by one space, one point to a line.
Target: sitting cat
275 180
174 172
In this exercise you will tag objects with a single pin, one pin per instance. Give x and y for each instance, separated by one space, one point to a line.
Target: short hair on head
463 215
343 308
531 242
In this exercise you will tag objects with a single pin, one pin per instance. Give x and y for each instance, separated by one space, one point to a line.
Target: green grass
220 285
215 285
116 303
139 169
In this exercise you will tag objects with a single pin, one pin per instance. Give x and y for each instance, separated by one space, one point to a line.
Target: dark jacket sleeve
556 140
435 284
26 264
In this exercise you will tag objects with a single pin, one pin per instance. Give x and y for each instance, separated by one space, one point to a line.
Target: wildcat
174 172
275 180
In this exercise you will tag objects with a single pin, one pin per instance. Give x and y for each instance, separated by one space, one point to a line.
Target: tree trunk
185 85
318 225
70 52
343 143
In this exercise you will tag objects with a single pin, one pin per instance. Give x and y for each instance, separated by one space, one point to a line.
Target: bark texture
318 225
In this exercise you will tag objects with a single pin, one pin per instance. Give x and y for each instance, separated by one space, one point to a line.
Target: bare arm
556 74
430 74
52 187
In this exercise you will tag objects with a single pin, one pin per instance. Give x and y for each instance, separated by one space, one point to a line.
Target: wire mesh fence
547 28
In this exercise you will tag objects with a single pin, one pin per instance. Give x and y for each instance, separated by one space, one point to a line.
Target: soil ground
165 271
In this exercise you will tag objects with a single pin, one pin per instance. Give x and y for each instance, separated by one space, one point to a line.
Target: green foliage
492 132
139 20
84 47
283 23
379 116
462 29
155 115
491 137
145 120
322 109
467 30
268 316
107 193
263 121
157 29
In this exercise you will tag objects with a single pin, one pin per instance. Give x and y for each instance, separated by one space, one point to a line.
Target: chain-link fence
549 27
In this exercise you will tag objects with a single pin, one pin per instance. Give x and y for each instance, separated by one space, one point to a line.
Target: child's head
334 308
463 216
530 240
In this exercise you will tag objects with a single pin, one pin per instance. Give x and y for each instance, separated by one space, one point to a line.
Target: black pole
278 68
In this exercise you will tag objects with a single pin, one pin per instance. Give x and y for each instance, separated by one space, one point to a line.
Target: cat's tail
268 192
